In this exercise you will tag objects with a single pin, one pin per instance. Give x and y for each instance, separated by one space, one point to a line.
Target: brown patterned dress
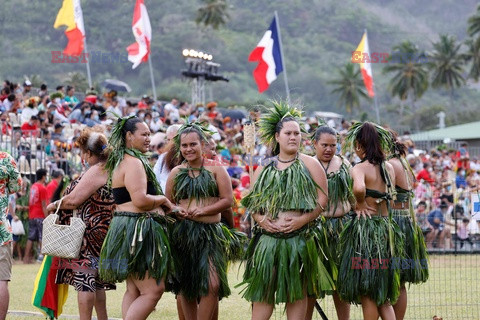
96 212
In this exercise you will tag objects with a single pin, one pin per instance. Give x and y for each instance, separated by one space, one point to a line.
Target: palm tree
446 63
77 80
474 23
213 13
473 56
350 87
410 77
35 79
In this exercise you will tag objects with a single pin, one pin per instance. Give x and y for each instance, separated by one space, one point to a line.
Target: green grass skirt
416 267
366 268
197 247
281 267
136 243
333 227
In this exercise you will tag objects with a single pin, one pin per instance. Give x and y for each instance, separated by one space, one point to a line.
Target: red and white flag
269 57
366 67
142 30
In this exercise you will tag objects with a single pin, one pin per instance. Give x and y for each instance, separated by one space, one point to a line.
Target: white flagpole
151 77
89 76
283 57
78 10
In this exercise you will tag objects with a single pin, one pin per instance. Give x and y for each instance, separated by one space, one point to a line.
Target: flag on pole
142 30
71 16
365 65
48 296
269 58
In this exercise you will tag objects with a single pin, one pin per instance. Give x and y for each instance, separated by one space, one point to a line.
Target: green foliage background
318 37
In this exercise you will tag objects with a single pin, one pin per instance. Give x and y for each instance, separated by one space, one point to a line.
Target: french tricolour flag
269 58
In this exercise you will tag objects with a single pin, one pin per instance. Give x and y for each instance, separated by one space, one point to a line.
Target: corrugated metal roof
464 131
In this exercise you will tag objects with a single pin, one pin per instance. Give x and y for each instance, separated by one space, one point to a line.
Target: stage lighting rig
201 69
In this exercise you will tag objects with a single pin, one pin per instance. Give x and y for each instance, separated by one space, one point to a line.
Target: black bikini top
121 194
377 194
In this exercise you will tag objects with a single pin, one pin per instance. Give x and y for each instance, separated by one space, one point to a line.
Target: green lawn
453 291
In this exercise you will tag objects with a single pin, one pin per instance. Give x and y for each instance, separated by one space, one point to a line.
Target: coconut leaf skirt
198 248
333 227
282 267
136 243
415 263
368 248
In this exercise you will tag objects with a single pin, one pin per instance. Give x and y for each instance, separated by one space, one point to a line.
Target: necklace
328 165
287 161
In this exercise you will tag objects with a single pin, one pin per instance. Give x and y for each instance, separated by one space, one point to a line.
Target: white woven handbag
61 240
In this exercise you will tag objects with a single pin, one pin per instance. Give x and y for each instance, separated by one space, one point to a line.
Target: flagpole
377 113
283 57
89 76
375 104
151 78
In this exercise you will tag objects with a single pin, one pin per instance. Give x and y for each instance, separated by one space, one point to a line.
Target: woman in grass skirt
284 261
414 265
369 241
200 242
91 197
136 248
340 199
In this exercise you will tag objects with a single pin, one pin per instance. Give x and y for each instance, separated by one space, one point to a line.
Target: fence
33 150
451 292
455 145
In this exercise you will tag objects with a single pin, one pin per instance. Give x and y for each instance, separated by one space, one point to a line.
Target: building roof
466 131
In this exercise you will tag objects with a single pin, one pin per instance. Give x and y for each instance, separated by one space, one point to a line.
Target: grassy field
453 292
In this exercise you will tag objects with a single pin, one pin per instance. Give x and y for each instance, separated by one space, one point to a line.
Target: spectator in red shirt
424 174
5 126
212 109
142 104
31 127
57 176
463 157
37 207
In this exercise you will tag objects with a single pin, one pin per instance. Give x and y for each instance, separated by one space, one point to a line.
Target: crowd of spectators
39 128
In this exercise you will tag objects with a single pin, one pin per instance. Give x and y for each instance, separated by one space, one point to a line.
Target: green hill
318 37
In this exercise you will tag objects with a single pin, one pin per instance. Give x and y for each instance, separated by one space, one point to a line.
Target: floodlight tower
200 69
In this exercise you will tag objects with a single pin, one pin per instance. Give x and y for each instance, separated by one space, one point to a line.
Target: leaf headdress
268 122
383 135
118 144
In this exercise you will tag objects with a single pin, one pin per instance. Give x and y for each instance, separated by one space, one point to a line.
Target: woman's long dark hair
58 192
369 140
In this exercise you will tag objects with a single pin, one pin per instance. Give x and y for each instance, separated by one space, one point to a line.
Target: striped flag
142 30
366 67
269 58
48 296
71 16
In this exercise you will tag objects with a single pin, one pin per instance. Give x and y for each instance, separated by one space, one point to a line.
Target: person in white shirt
8 102
161 169
29 110
171 110
114 109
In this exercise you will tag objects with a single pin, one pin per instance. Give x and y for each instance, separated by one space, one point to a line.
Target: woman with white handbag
90 198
